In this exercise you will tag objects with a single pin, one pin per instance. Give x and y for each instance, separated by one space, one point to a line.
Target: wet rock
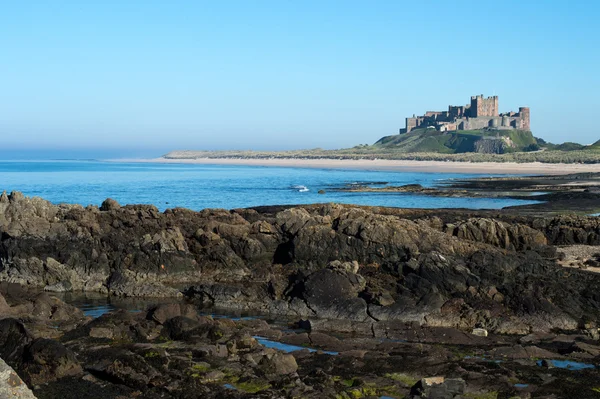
536 338
547 364
411 263
49 307
520 352
299 339
278 364
164 312
322 340
119 325
46 360
582 347
126 368
180 327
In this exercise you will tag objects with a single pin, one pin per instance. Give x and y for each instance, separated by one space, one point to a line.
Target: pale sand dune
394 165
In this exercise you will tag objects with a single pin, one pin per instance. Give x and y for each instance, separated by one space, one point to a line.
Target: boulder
180 327
350 267
14 337
278 364
164 312
481 332
109 204
47 360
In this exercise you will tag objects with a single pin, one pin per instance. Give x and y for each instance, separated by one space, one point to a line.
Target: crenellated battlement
480 113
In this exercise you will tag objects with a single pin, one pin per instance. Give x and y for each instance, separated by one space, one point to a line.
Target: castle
480 114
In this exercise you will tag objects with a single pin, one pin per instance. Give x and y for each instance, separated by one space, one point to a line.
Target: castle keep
481 113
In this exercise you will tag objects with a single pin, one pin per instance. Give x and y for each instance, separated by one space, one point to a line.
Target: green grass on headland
431 145
431 140
582 156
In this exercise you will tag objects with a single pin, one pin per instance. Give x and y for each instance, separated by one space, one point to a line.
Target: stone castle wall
500 123
481 113
481 106
524 113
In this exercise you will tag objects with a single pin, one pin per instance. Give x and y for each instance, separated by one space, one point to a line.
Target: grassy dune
428 145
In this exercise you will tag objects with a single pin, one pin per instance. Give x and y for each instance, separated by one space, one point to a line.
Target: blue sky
160 75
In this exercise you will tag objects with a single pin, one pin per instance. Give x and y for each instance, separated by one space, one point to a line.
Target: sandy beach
393 165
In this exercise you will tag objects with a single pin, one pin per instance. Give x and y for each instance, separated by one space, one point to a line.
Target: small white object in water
301 189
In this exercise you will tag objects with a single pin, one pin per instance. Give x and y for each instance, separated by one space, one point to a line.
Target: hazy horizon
147 78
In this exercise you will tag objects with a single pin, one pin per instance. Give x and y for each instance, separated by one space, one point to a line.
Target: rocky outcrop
170 350
492 145
38 360
497 233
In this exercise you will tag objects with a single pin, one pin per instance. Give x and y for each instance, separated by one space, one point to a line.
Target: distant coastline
390 165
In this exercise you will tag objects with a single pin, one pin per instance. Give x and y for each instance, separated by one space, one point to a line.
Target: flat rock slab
11 385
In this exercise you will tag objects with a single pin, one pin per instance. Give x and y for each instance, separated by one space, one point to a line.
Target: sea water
221 186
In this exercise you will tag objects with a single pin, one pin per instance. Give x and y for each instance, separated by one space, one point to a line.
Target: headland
474 133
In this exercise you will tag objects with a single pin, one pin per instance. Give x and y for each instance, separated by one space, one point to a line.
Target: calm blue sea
217 186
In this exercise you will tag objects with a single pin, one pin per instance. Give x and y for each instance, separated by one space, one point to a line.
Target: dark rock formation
47 360
363 266
172 351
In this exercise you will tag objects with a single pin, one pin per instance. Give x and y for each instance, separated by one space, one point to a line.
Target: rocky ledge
172 351
368 269
388 298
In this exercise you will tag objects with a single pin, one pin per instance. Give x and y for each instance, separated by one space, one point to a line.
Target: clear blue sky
163 75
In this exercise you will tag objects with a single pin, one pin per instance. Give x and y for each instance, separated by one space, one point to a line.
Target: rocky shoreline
399 295
170 351
555 194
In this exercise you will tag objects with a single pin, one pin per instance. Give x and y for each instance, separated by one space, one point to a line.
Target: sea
198 187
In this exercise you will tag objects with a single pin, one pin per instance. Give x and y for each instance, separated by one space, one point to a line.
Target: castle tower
493 104
411 123
524 115
484 106
475 106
